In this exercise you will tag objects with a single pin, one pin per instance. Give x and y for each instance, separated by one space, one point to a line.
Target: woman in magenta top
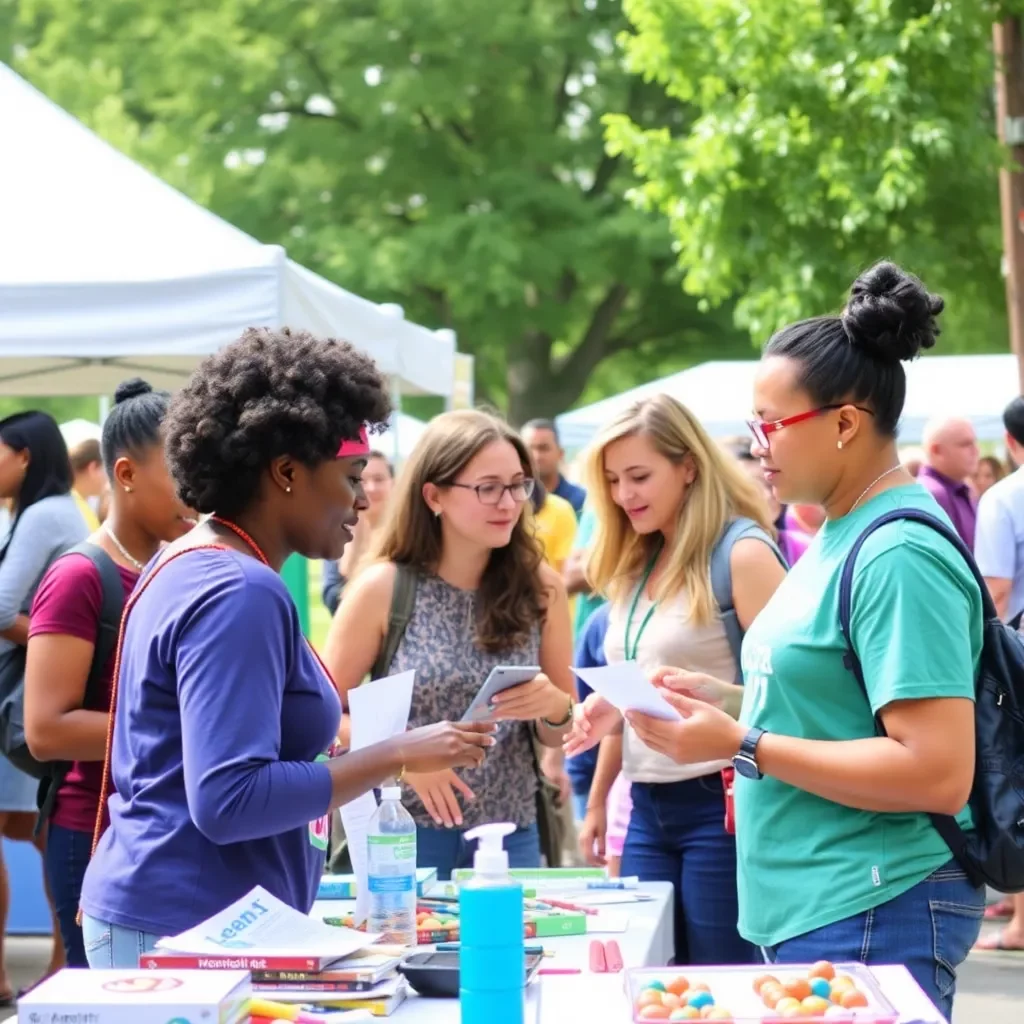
60 724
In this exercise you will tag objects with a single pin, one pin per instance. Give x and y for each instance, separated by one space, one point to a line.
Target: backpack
721 579
12 683
993 854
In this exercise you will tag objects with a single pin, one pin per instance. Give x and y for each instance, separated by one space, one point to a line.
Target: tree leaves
823 136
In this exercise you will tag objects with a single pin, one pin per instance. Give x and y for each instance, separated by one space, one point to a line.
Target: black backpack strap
403 601
108 626
947 827
721 579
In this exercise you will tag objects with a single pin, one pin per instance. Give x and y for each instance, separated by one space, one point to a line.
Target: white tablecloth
586 997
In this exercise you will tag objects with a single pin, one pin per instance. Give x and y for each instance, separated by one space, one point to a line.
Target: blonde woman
483 598
664 493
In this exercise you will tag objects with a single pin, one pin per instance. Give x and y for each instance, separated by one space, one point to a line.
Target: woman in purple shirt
222 715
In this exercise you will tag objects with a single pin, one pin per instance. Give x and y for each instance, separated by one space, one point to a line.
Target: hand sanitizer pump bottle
492 960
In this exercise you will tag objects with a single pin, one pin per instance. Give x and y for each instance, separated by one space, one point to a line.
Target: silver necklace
881 476
120 547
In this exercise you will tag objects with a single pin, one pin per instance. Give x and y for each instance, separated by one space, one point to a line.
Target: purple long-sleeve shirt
222 710
955 500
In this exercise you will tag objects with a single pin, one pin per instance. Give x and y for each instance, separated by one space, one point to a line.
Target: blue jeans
110 945
579 806
65 860
677 834
929 928
448 850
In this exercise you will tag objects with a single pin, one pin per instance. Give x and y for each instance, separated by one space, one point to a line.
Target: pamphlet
260 925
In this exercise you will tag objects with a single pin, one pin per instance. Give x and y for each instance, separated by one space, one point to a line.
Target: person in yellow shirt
555 523
90 479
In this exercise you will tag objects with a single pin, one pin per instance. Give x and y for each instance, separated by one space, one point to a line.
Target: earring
288 490
129 490
437 513
839 445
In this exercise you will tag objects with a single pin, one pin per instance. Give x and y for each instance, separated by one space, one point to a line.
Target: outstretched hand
594 719
706 733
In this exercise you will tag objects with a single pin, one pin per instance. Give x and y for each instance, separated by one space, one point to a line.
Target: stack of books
291 958
366 981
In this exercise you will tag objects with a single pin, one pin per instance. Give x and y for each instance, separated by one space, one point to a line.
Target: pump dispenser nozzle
491 857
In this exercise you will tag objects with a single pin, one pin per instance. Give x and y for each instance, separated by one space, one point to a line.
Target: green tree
821 137
446 155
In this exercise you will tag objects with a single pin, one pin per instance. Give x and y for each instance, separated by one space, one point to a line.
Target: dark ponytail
135 421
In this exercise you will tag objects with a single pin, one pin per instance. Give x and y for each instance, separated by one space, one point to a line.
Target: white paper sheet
625 685
355 817
378 711
608 922
260 924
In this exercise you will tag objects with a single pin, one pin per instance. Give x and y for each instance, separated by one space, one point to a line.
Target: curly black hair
268 394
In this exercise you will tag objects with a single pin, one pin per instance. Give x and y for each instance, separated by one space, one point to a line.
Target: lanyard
631 653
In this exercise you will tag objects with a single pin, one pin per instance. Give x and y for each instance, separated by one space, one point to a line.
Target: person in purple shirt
222 715
951 457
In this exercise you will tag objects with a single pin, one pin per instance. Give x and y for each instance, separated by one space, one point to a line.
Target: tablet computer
502 677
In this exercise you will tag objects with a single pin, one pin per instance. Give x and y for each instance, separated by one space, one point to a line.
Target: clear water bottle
391 870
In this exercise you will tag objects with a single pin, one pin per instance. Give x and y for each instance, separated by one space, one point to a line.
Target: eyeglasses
492 492
763 430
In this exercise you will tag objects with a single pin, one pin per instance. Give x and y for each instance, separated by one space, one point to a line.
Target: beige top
668 639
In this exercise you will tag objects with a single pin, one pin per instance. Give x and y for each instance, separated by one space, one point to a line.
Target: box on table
343 887
139 997
689 993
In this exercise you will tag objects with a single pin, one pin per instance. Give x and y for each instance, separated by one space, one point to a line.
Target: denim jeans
930 929
677 834
65 860
110 945
579 806
448 850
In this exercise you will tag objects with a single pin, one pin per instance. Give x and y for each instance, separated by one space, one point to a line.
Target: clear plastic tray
735 999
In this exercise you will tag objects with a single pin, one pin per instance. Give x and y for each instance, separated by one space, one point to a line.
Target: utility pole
1009 57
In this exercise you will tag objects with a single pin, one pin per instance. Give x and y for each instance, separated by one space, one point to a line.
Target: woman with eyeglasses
483 598
837 857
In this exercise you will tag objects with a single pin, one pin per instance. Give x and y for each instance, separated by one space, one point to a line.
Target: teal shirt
585 603
805 862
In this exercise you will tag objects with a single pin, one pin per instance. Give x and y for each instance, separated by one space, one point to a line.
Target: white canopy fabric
106 271
720 395
398 441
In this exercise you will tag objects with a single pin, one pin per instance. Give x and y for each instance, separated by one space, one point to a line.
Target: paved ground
991 984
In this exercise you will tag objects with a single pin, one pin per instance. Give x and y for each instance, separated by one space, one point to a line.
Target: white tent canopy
720 394
106 271
398 441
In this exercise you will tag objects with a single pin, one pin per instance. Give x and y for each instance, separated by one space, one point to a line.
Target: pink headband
355 446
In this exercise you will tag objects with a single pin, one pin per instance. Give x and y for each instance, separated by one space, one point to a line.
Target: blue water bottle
492 959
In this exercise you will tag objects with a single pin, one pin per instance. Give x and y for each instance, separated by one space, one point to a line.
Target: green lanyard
631 654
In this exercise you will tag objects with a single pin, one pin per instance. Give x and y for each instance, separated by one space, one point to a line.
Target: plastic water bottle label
391 880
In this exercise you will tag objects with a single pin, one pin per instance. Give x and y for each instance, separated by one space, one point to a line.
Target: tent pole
396 415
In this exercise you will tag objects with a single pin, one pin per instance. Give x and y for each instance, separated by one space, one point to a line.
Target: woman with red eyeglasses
836 855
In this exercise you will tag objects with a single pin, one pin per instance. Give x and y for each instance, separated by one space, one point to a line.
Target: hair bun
131 388
891 315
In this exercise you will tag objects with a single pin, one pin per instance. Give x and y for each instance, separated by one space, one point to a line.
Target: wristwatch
745 762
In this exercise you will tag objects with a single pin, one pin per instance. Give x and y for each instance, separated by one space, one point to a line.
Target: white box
77 996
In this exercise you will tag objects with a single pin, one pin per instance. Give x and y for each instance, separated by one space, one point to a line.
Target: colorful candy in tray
749 995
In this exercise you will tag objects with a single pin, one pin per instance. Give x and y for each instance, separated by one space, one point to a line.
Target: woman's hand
434 748
706 733
539 698
437 792
594 719
727 696
592 835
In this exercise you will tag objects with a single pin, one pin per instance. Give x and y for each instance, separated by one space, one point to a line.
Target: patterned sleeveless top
450 669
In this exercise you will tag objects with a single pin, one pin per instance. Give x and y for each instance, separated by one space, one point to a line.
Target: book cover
138 997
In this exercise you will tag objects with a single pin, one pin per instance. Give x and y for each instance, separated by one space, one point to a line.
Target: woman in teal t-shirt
837 858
